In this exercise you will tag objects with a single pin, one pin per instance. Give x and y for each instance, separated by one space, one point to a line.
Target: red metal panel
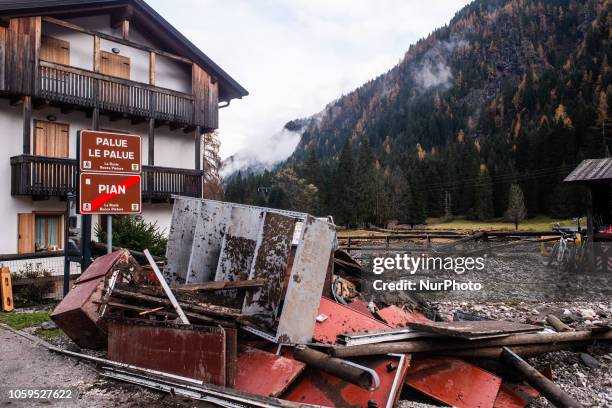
340 320
515 395
360 306
265 374
317 387
454 382
397 317
196 352
231 356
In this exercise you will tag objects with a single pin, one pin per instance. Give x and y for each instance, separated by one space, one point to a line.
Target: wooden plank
96 54
270 263
244 284
51 139
27 124
3 58
474 330
152 68
25 237
22 51
200 88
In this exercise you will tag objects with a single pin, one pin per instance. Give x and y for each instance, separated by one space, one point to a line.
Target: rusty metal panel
360 306
317 387
340 320
515 395
180 238
297 320
210 228
397 317
478 329
454 382
238 246
231 355
265 374
270 263
100 266
196 352
77 315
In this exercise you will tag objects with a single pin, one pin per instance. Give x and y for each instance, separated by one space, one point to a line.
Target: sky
296 56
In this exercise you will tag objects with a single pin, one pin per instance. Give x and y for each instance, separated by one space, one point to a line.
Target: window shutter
25 238
55 50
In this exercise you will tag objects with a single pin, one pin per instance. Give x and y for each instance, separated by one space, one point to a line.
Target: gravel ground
25 365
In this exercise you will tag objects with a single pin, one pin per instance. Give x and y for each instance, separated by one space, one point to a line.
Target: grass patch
21 320
49 334
539 223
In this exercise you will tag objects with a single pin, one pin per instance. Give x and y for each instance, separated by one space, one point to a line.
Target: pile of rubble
257 307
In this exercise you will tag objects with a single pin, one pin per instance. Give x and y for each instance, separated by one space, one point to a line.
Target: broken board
475 330
453 382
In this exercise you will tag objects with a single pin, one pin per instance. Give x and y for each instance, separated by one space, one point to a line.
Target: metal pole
109 234
66 260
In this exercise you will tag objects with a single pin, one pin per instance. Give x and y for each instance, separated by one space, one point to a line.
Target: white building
100 64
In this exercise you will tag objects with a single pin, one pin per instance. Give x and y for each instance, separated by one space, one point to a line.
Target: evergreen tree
344 188
516 211
483 199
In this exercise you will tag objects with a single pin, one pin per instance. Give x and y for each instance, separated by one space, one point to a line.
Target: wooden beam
27 124
198 148
151 142
152 68
96 54
125 29
112 38
123 14
5 22
189 129
66 109
217 285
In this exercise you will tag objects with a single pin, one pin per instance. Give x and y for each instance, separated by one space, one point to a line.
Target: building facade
111 65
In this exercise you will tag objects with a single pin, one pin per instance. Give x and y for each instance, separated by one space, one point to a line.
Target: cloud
296 56
433 69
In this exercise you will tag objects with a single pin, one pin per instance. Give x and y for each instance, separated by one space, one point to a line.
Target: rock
589 360
587 314
48 325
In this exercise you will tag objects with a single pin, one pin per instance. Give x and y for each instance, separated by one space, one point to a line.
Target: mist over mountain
509 92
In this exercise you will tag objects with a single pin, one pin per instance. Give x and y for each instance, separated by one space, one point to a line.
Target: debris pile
257 307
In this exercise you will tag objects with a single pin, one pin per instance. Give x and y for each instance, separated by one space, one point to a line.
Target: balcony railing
70 85
51 176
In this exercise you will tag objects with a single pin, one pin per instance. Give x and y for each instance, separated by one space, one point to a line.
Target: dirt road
25 365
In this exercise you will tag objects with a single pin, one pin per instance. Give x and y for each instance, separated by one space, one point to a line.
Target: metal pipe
446 345
109 234
549 389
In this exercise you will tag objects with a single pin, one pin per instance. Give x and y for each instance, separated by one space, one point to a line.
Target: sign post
109 175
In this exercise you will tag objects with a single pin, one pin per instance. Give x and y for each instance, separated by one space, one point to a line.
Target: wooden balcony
74 86
41 176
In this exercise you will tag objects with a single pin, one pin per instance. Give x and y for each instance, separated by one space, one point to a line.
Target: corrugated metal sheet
591 170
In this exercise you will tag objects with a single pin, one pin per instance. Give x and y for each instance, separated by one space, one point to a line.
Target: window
47 232
39 232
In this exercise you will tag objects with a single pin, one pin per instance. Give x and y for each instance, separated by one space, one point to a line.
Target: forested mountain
509 92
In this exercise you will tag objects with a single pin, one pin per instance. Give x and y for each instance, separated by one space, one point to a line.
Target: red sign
103 193
109 152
